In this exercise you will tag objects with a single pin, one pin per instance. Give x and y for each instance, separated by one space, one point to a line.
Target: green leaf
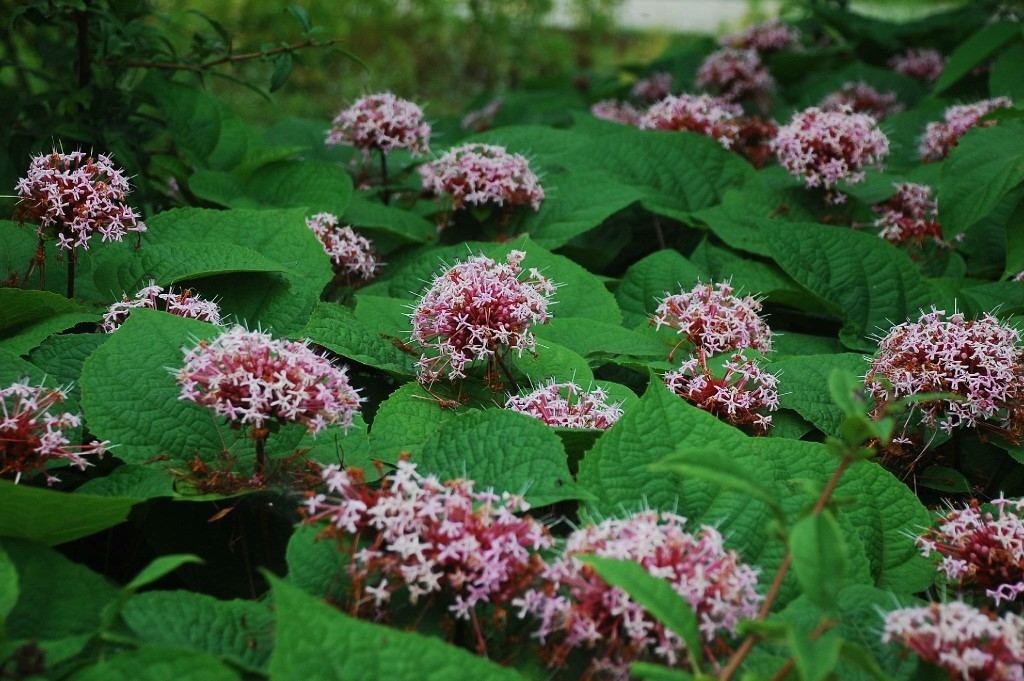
722 471
29 317
820 558
159 568
338 330
158 663
1005 77
306 627
405 421
656 596
944 479
405 225
62 357
282 70
51 517
804 386
816 659
317 566
501 449
134 480
974 51
866 281
318 186
647 281
588 338
238 631
552 361
17 248
9 589
986 165
646 671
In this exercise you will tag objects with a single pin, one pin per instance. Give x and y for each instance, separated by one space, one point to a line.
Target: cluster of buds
703 114
181 303
481 174
34 432
918 63
352 254
827 147
578 610
964 641
416 533
755 138
940 138
910 216
251 378
567 405
653 88
736 74
479 310
980 549
383 122
765 37
860 97
617 112
980 361
715 320
482 119
75 196
740 396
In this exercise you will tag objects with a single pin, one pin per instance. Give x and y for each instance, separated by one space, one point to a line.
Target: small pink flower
34 433
479 174
941 138
477 311
703 114
715 320
416 533
980 549
567 405
919 63
736 74
616 112
183 304
655 87
828 147
384 122
351 253
979 360
579 610
969 644
253 379
75 197
767 36
740 396
860 97
1018 277
910 216
483 119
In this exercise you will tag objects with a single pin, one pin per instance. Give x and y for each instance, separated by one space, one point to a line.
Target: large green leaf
587 337
158 663
403 224
803 386
337 329
405 421
317 566
306 628
819 556
50 517
29 317
501 449
9 590
17 247
318 186
62 357
647 281
975 50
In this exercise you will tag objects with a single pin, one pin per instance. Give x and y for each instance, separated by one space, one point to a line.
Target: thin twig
230 58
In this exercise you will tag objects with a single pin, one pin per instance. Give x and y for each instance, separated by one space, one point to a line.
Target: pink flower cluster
483 119
384 122
827 147
32 436
918 63
910 216
703 114
653 88
478 310
736 74
483 173
980 549
253 379
183 304
740 396
940 138
567 405
351 253
767 36
76 196
416 533
715 320
617 112
579 610
979 360
860 97
966 642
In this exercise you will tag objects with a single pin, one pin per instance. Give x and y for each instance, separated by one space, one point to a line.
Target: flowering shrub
479 310
736 74
714 320
910 216
34 433
182 304
567 405
861 98
351 253
479 174
941 138
767 36
577 609
829 147
384 122
918 63
702 114
967 643
740 396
